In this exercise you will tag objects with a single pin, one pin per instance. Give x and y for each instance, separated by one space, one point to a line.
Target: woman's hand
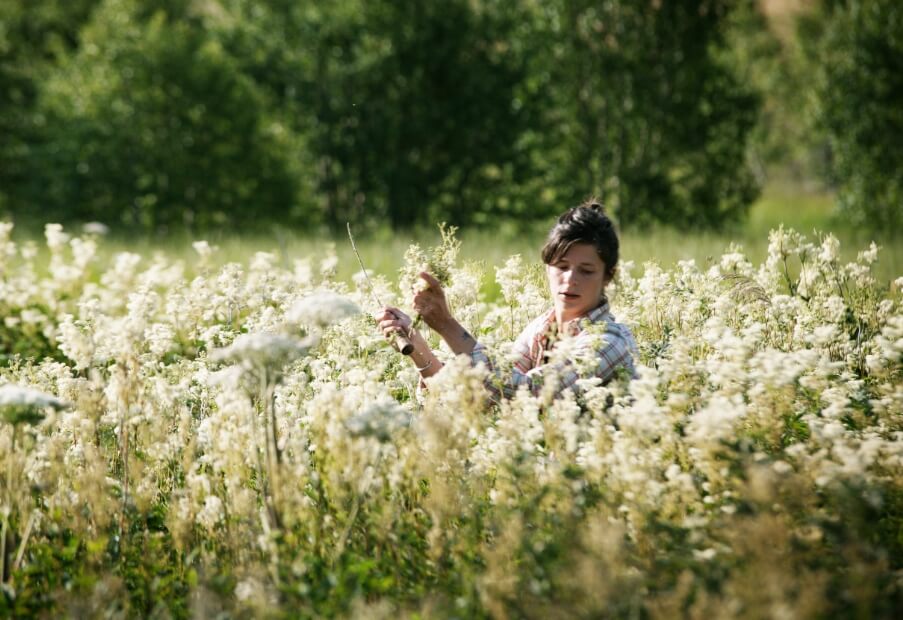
432 305
393 321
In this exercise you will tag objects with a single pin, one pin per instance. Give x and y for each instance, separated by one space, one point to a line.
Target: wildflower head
25 405
438 261
379 420
98 229
321 309
263 349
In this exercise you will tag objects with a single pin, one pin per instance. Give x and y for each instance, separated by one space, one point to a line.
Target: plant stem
124 454
3 551
9 505
340 546
21 552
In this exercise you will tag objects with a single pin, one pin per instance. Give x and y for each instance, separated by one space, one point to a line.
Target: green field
809 212
180 439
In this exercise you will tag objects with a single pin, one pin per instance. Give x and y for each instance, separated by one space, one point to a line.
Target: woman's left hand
393 322
431 304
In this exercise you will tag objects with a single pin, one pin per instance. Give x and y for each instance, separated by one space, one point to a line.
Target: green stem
3 551
21 552
9 504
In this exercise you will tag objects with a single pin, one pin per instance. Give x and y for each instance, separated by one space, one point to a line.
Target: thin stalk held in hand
402 343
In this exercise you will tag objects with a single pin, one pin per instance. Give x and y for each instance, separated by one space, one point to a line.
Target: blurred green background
284 119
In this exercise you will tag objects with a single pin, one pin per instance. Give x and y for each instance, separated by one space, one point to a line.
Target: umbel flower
264 350
20 404
275 350
320 310
379 420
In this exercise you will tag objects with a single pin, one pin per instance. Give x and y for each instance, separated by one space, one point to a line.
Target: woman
581 255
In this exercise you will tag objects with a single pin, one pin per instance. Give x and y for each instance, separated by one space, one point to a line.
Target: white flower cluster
379 420
321 309
768 396
19 396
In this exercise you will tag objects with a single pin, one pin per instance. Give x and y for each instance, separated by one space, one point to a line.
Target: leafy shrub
856 49
152 124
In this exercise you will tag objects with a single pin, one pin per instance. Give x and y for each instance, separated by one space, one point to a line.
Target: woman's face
576 280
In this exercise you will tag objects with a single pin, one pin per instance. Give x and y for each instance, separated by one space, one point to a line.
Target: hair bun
594 205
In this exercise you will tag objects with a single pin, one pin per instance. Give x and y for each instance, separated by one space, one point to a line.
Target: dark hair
584 224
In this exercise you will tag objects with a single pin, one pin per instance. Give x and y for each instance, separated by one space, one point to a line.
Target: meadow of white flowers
193 440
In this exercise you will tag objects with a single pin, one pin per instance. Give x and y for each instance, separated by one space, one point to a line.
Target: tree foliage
151 123
33 35
171 112
645 112
856 48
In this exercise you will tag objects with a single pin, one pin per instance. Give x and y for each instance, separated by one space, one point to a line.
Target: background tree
33 35
856 51
646 111
407 108
152 123
202 112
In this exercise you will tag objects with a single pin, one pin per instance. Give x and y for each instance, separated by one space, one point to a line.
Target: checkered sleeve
523 358
615 350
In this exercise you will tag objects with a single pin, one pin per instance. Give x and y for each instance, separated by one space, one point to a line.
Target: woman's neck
563 318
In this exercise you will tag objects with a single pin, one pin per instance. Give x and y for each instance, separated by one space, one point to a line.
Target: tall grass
781 204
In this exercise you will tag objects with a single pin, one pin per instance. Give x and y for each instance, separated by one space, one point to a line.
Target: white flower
870 255
830 249
56 238
510 278
782 467
379 420
321 309
249 589
264 349
159 338
26 405
211 514
329 265
95 228
204 249
18 396
717 419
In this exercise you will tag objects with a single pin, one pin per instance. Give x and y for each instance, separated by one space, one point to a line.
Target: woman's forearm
456 336
423 357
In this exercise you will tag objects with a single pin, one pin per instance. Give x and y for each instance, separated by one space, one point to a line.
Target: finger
385 311
398 314
394 331
430 280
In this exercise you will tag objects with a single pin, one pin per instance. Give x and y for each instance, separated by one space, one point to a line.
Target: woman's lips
569 295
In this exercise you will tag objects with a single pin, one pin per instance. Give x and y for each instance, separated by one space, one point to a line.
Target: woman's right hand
432 305
393 321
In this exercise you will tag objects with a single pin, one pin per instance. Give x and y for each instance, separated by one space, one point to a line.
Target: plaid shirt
616 349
